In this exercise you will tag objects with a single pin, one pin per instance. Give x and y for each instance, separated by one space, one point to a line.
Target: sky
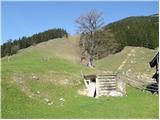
27 18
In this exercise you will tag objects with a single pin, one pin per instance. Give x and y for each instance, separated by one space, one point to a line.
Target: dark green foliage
12 46
136 31
105 44
6 48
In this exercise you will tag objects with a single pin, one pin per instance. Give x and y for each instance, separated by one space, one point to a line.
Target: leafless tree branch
88 24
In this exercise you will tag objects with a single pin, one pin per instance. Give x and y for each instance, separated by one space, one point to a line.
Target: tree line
142 31
12 46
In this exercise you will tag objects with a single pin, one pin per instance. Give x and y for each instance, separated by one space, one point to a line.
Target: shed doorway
90 82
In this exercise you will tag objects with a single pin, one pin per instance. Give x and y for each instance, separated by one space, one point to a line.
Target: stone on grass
50 103
30 96
62 99
34 77
115 93
47 100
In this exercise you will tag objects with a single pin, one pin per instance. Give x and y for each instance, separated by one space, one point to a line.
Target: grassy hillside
136 58
55 93
62 47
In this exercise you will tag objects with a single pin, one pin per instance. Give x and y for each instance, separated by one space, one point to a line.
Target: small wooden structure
153 63
103 85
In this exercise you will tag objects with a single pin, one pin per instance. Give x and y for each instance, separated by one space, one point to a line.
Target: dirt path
130 54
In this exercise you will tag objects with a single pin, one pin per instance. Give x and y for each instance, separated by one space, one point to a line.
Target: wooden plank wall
105 84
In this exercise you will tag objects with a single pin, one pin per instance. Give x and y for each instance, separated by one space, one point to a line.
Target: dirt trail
130 54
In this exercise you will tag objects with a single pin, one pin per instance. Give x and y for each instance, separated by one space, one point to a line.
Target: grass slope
59 77
137 59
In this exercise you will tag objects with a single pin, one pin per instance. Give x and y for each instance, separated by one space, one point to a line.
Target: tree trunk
90 61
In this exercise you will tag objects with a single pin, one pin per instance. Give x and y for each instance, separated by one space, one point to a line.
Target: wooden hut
155 62
102 85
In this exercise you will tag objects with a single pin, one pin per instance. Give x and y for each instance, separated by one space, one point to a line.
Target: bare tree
14 49
88 24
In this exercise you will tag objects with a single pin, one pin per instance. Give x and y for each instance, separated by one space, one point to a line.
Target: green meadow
56 64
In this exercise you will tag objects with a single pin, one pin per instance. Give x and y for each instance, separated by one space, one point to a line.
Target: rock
47 100
38 92
30 96
115 93
50 103
138 76
62 99
35 77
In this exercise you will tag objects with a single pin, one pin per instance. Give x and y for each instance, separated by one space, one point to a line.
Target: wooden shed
154 88
155 62
103 85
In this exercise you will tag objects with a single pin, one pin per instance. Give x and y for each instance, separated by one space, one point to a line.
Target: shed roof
155 75
89 77
154 60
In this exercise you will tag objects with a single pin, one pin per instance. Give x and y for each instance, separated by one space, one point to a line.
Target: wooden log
151 90
107 88
106 80
113 84
105 77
